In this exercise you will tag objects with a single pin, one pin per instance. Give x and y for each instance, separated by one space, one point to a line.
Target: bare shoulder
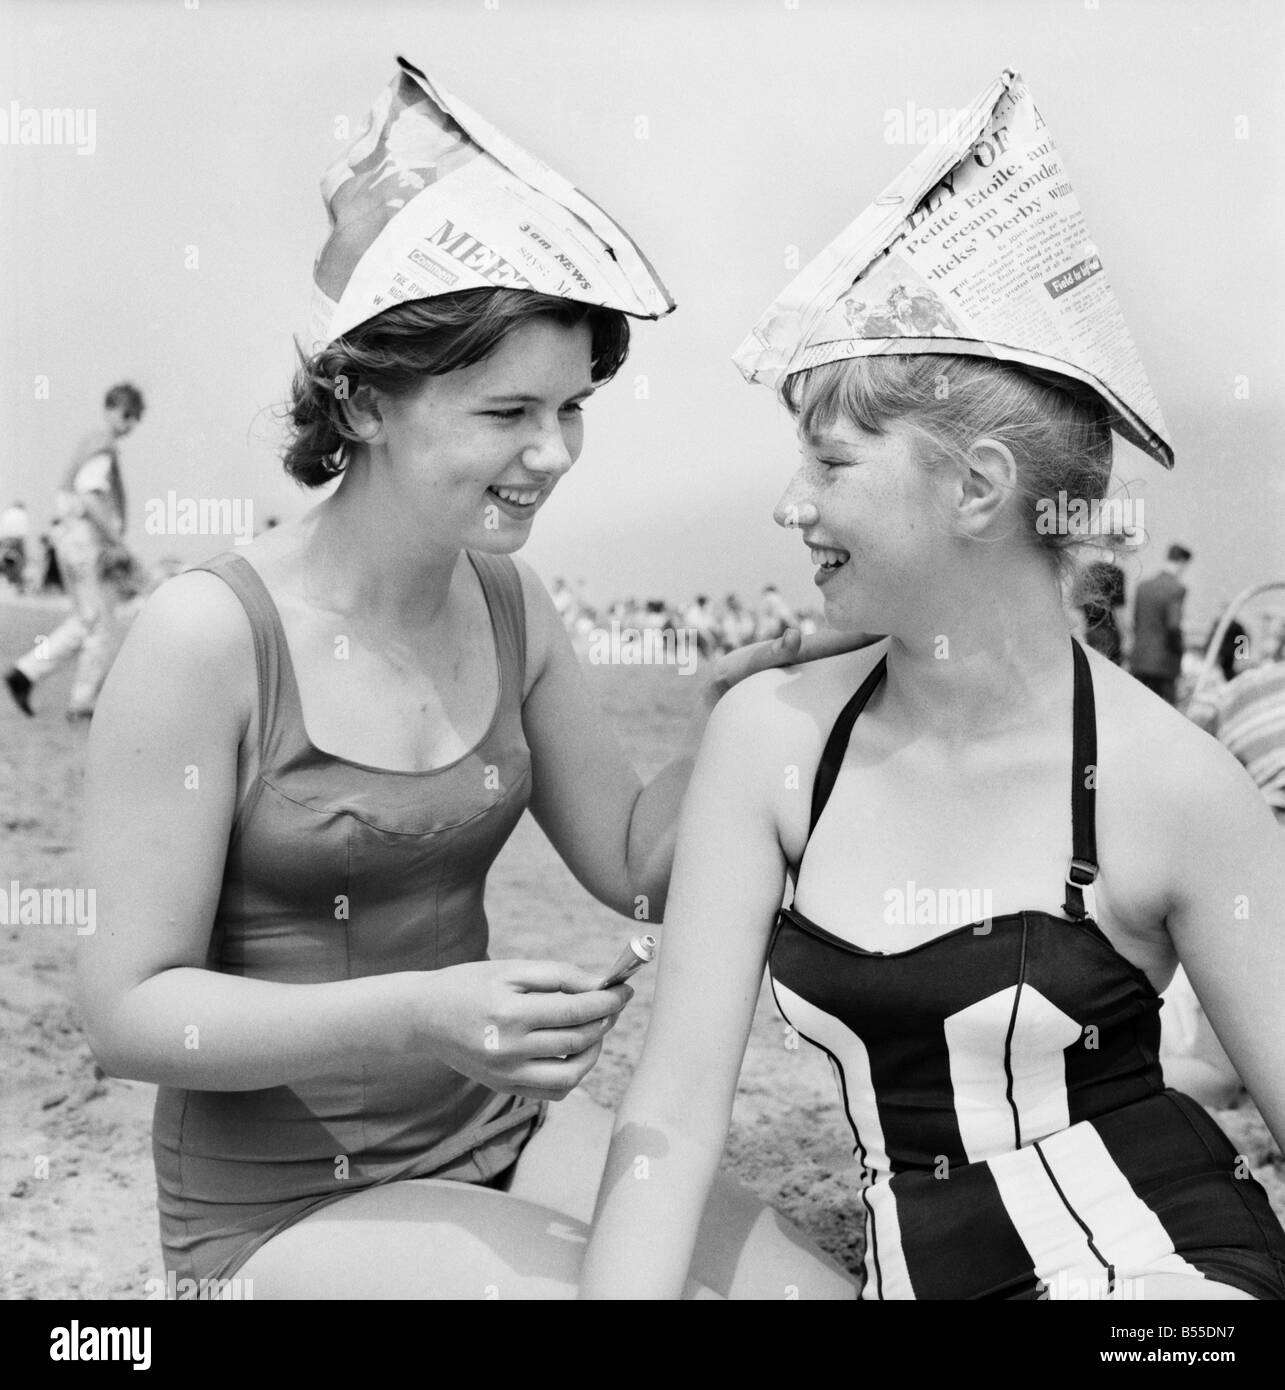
195 609
768 731
1182 775
798 699
191 641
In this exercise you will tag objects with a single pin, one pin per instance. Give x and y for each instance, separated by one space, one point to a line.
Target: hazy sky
178 253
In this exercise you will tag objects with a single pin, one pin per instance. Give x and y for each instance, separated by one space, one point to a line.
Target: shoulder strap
837 744
274 672
1083 868
502 585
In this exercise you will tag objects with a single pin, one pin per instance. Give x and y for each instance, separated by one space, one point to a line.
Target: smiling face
874 518
472 455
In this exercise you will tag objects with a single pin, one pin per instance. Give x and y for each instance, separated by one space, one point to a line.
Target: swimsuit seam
863 1152
1008 1040
872 1242
407 834
1075 1215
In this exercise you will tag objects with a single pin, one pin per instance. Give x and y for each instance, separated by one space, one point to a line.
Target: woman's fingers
562 1042
733 667
787 650
555 1076
830 641
538 1013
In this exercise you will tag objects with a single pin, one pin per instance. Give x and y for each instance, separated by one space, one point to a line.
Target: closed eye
515 412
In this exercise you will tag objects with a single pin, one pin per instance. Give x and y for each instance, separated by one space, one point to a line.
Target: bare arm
671 1127
161 787
1227 917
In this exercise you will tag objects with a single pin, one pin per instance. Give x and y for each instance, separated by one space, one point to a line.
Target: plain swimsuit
1004 1090
336 871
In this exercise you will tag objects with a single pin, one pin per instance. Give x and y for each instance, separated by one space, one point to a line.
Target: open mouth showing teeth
828 559
515 496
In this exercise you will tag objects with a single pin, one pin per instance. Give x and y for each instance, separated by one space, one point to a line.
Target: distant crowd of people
718 626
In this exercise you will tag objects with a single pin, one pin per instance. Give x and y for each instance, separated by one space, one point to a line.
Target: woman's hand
789 649
524 1027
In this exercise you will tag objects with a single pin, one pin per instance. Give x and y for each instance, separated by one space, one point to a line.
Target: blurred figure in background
565 602
1233 649
15 529
700 618
50 575
97 569
1157 626
774 615
736 626
1247 716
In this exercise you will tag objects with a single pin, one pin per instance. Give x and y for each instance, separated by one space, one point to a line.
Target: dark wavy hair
395 351
126 394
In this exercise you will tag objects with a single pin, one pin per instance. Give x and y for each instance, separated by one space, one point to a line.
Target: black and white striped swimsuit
1005 1094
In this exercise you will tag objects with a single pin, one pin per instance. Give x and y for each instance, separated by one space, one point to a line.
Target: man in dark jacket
1157 626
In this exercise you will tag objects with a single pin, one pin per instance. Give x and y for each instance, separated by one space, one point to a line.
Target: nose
551 453
796 508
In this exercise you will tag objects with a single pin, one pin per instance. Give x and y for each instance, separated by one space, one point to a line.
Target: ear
987 486
360 410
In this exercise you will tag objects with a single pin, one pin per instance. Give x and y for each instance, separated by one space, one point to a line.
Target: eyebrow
526 399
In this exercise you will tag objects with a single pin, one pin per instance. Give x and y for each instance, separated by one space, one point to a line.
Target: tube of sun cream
640 951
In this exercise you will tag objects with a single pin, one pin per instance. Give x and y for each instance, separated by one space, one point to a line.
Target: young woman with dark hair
306 759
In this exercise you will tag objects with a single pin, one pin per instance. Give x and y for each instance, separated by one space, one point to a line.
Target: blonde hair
1058 431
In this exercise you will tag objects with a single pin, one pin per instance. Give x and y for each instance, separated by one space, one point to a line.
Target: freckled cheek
573 439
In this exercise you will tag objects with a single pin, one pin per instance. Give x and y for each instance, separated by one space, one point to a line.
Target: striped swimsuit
1004 1090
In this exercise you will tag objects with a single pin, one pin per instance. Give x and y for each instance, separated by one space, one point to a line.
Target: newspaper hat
430 198
978 248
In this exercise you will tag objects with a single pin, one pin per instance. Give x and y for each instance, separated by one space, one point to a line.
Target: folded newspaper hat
978 248
430 198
